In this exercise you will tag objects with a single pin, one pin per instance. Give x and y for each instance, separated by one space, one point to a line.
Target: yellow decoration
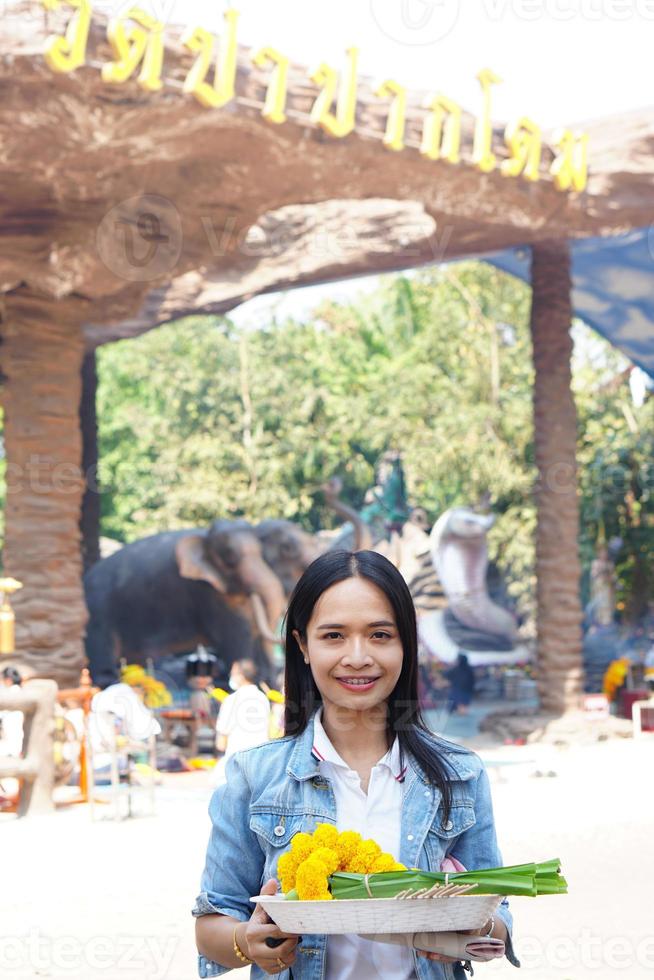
141 42
394 135
482 155
314 857
219 694
65 54
442 141
273 110
615 676
342 122
524 141
201 762
570 168
155 693
224 78
275 696
7 619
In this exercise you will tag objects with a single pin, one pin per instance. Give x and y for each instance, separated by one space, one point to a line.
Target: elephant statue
168 593
289 549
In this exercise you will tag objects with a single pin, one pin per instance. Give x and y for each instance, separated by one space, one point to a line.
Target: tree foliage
201 419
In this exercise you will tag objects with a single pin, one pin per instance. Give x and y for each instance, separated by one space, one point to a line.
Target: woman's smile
358 684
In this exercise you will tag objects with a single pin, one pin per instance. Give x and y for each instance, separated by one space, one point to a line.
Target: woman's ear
302 645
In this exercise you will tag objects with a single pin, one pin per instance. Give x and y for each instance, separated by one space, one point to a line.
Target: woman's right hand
251 937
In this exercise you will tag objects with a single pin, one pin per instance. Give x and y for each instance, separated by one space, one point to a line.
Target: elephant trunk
362 535
268 601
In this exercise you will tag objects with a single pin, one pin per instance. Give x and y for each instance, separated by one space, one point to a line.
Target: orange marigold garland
314 857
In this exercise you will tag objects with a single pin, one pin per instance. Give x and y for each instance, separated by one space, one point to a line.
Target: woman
357 754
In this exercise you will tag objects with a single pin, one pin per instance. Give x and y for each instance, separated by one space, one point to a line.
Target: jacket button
409 837
278 831
448 825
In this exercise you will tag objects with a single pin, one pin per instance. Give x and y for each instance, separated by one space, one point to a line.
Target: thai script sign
137 46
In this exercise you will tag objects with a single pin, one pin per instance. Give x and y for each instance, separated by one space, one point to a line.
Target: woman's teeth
357 680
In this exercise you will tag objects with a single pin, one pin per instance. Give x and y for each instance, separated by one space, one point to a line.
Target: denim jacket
275 790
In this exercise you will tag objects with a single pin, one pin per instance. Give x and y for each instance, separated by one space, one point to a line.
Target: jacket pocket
442 836
275 832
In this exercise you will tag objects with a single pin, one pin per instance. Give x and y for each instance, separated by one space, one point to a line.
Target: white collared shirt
376 814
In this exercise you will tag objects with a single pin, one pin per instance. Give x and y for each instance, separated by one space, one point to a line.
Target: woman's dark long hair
404 716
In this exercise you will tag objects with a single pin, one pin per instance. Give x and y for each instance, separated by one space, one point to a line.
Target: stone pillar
42 360
559 663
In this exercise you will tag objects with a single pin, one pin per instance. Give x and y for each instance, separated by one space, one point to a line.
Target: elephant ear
192 562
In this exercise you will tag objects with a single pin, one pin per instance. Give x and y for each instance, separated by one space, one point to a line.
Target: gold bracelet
237 949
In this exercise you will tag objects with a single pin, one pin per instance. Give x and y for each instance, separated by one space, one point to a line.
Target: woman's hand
251 937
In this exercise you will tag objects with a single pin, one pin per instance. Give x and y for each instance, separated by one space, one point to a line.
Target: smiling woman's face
353 646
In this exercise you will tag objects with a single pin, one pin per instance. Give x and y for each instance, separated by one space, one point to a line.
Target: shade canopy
613 288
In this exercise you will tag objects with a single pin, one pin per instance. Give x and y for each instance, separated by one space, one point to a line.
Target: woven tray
377 915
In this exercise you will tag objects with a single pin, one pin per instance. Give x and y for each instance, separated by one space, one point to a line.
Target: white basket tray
368 915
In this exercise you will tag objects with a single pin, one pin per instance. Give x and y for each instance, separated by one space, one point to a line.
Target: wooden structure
122 209
35 769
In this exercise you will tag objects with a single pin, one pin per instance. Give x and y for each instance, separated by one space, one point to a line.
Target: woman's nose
357 654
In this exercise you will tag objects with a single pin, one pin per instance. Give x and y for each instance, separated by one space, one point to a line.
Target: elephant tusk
259 612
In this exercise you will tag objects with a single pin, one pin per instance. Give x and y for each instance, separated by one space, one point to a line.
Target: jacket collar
303 764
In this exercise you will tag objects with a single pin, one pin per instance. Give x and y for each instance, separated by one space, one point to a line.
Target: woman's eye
331 636
379 634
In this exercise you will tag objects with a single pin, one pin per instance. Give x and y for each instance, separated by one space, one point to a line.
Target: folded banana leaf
520 879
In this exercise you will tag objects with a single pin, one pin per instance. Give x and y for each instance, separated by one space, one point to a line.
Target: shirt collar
323 751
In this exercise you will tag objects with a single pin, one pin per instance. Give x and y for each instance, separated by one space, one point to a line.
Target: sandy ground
111 900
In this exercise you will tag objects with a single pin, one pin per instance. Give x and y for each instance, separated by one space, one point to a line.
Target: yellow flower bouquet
338 883
305 870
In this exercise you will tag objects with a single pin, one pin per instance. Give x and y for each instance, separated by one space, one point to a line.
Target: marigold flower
311 881
303 844
383 862
346 846
313 858
287 867
325 834
328 857
364 857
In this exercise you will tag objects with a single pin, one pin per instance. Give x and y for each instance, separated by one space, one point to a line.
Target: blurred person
462 684
244 716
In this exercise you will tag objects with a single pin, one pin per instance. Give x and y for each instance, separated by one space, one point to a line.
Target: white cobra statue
460 556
